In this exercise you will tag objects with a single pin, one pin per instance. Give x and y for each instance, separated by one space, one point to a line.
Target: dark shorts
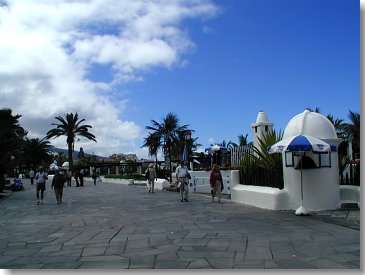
41 186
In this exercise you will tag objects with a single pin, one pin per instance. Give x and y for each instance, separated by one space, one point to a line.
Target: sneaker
182 200
38 202
186 200
41 202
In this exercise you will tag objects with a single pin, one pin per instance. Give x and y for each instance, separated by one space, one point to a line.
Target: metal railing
262 177
198 182
352 176
237 154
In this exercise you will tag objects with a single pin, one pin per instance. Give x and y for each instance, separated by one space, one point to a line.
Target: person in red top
216 182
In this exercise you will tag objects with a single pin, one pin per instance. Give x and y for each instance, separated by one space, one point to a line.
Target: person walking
151 176
94 175
57 184
182 177
31 175
41 178
81 177
77 177
69 177
216 182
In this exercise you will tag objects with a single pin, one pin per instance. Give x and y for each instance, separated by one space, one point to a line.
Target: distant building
123 157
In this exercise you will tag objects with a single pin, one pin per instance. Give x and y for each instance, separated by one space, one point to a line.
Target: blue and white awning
301 143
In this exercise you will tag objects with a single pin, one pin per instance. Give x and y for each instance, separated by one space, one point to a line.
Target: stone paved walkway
111 226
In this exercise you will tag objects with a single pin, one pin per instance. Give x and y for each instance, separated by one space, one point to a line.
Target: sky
213 63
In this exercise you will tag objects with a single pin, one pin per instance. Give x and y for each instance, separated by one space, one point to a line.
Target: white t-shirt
181 171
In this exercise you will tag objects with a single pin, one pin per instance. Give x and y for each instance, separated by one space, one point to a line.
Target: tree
37 151
316 110
242 140
339 126
353 130
165 135
71 127
152 142
11 137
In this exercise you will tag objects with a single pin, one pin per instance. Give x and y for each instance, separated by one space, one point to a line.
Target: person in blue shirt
18 183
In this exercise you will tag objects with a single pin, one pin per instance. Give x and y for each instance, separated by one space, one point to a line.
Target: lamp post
187 138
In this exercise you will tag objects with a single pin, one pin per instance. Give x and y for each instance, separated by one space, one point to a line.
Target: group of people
182 181
60 178
58 181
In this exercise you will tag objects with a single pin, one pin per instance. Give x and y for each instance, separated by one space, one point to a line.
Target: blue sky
215 64
277 56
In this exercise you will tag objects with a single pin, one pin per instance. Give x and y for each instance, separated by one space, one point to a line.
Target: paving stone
112 226
327 264
258 253
120 264
293 263
347 248
146 262
93 251
170 265
199 264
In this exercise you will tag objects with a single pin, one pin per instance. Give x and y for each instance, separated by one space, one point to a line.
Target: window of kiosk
317 160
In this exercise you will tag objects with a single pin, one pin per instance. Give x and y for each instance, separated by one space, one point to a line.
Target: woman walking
216 182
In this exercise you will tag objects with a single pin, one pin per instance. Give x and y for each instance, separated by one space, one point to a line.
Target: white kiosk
321 189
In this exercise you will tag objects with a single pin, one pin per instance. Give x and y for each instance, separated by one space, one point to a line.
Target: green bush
126 177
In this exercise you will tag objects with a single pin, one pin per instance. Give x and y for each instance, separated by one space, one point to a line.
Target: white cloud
48 47
211 141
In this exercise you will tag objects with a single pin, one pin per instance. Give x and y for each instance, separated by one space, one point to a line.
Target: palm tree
70 127
316 110
339 125
37 151
242 140
11 137
152 141
165 135
271 161
271 164
353 130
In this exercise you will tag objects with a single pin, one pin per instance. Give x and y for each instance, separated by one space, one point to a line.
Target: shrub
126 177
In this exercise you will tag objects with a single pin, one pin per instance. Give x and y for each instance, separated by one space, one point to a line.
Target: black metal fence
259 176
352 177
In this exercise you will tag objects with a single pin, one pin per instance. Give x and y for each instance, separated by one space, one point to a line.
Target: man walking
182 176
81 177
41 178
31 175
57 184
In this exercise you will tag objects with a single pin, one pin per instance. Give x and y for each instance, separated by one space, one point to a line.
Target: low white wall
259 196
263 197
350 194
160 184
119 181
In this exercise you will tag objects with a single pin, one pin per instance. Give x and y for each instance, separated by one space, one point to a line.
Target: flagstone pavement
111 226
